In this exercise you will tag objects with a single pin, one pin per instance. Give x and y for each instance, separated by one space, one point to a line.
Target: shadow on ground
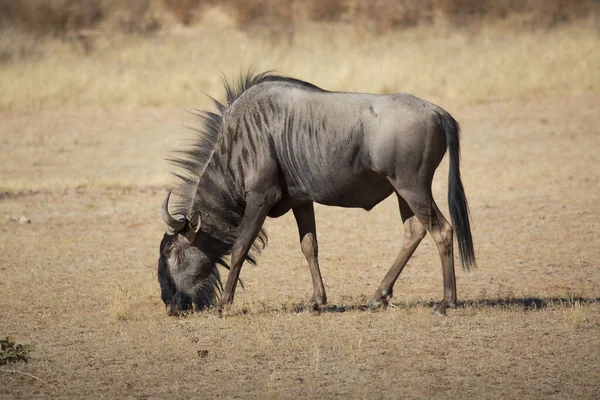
512 303
524 303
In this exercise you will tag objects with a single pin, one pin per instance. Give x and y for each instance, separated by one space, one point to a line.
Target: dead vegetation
57 17
91 101
528 325
121 307
103 53
175 69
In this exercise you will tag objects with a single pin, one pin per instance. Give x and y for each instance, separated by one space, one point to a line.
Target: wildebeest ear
194 222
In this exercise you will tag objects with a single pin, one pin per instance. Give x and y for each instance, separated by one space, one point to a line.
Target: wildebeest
281 144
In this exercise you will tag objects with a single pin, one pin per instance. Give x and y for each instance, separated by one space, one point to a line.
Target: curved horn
172 222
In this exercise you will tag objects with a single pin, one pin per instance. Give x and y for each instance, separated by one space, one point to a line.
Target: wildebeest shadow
530 303
522 303
508 303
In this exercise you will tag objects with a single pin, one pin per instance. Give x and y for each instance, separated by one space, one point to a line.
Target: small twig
13 371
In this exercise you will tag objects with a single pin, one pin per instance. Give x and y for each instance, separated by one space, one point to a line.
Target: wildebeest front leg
257 207
305 218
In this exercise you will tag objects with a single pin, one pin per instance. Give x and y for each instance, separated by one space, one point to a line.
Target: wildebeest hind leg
422 204
413 234
305 218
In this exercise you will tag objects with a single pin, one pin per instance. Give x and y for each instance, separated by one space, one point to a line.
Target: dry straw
121 306
106 54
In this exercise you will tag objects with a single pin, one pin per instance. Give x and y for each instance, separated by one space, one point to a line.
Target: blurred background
144 53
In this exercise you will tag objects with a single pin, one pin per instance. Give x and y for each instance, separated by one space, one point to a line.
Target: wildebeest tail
457 200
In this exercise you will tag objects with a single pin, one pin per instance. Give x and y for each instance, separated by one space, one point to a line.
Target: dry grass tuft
577 315
122 304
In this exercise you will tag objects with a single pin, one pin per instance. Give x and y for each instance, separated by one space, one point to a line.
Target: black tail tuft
457 200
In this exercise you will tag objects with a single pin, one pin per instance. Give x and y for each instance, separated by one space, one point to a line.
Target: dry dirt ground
79 281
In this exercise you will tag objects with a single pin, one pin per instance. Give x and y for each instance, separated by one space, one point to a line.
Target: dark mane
191 163
296 82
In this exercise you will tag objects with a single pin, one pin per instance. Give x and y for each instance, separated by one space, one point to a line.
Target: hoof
222 308
316 304
440 309
381 299
315 307
438 313
376 305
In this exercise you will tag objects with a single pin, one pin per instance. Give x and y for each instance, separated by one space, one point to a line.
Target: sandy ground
79 281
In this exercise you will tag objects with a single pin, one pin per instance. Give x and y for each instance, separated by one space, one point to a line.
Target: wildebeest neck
220 206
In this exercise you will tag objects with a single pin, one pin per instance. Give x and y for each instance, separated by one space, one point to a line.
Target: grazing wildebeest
282 144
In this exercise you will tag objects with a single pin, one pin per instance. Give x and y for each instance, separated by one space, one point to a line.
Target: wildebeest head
188 278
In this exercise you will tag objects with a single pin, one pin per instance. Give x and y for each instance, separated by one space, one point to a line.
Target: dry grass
578 316
176 69
57 17
82 137
121 307
79 282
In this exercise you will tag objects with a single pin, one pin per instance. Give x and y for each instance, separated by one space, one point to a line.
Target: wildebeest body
331 148
281 144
